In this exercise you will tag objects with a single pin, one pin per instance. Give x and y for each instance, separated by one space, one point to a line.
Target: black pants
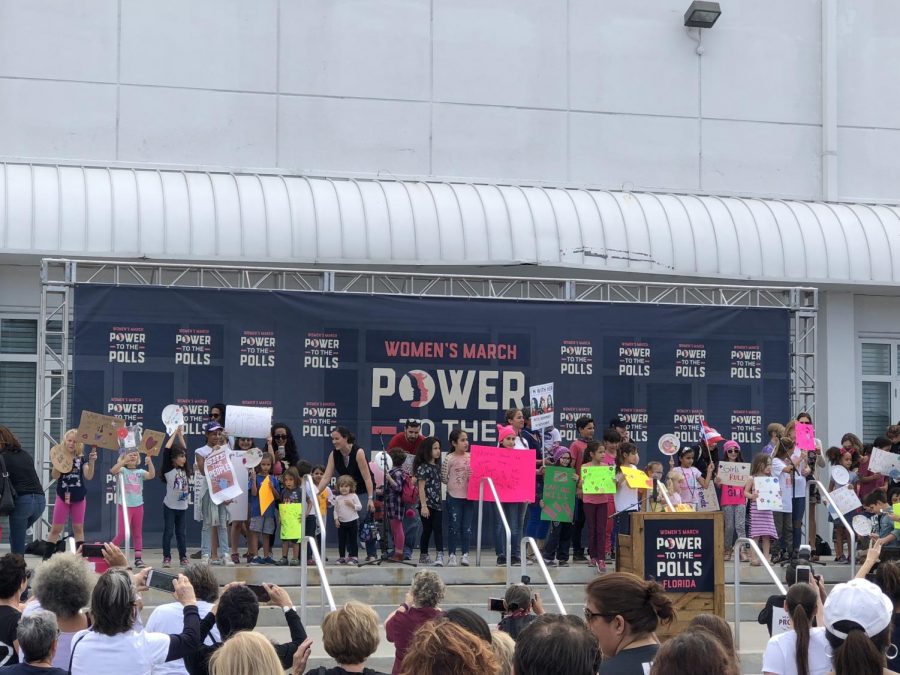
348 542
558 541
311 528
173 522
434 524
577 527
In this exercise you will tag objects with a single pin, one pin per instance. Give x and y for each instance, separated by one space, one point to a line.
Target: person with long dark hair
30 499
427 473
858 628
282 445
804 649
177 475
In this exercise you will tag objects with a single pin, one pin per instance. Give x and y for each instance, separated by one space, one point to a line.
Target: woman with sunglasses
623 612
282 445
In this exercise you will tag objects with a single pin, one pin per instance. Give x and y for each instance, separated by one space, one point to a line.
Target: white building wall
591 92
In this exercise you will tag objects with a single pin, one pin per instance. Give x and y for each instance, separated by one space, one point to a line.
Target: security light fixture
702 14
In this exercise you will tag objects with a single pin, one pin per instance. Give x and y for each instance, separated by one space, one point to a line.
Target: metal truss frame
60 275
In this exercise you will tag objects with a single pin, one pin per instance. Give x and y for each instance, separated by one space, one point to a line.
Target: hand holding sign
734 473
559 494
100 430
805 435
636 478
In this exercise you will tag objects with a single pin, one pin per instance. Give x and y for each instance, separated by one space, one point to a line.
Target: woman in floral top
427 470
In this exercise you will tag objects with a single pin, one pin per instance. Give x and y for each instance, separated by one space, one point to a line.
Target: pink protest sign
513 473
806 436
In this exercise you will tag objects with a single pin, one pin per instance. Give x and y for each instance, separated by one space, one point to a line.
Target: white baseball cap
861 602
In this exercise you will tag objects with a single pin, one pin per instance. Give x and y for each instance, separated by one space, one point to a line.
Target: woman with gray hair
36 636
421 606
62 585
113 647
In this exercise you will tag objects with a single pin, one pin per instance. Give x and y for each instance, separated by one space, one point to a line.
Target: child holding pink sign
734 505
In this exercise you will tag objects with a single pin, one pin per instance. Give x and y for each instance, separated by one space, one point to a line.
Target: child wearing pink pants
134 500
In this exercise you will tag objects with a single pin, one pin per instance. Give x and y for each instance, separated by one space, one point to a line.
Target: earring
894 655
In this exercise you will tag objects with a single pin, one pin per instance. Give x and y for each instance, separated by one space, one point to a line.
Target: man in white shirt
169 618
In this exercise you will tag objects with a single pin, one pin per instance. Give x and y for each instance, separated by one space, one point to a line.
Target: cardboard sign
598 480
769 491
734 473
220 477
845 499
635 478
291 518
707 499
248 422
60 458
172 417
559 494
884 462
542 405
513 473
805 435
152 442
100 430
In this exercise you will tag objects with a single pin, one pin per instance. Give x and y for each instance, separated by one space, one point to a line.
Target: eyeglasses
588 614
731 451
281 437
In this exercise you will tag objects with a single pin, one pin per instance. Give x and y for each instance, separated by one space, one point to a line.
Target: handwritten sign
152 442
220 478
291 519
636 478
805 435
60 458
707 499
845 499
513 473
541 405
734 473
598 480
100 430
884 462
248 422
769 491
559 494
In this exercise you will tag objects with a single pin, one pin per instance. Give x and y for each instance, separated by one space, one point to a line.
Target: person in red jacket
408 440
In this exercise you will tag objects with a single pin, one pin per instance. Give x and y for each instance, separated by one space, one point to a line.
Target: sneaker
341 561
283 562
439 561
516 560
258 561
138 563
197 556
562 563
501 560
549 563
218 562
167 562
452 560
269 560
353 560
579 556
235 558
371 558
424 559
406 556
601 566
185 561
228 561
249 557
465 560
295 562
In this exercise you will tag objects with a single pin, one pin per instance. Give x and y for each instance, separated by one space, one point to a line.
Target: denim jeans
459 519
514 514
173 523
29 507
412 532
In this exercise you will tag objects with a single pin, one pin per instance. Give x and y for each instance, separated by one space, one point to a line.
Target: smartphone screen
804 574
261 593
161 580
92 550
496 605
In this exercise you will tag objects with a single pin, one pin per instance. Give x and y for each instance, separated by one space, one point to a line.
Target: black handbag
7 491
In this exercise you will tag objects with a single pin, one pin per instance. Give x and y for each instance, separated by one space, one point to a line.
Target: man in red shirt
408 439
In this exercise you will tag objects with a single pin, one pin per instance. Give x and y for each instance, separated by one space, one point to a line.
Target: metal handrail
314 491
737 582
665 493
120 485
539 558
850 533
304 577
505 522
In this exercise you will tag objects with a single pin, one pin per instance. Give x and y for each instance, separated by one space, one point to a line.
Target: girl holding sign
134 499
842 463
597 506
762 525
734 505
71 494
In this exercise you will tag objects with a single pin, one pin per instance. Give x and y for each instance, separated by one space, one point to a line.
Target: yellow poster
291 521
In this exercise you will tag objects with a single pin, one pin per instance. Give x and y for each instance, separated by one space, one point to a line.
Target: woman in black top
30 499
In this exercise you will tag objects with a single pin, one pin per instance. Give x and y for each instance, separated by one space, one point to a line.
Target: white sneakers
452 562
465 559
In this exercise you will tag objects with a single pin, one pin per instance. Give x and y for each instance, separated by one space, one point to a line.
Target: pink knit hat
503 432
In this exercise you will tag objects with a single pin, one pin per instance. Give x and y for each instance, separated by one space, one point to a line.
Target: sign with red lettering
513 472
679 555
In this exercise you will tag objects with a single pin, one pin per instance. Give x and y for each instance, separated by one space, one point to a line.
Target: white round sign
669 444
840 475
862 525
172 417
252 458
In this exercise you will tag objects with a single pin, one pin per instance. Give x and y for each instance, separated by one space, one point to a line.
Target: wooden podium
682 551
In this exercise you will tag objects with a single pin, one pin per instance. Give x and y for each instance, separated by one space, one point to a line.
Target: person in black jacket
30 499
237 610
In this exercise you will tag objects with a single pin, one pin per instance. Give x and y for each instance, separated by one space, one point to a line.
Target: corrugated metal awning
184 215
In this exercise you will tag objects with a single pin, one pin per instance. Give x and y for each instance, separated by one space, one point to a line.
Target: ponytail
801 603
858 654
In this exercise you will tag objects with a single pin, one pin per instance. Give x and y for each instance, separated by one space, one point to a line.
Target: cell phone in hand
804 574
92 550
162 581
496 605
260 591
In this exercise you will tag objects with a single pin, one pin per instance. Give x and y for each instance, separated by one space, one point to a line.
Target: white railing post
505 522
529 541
737 582
319 519
327 596
120 486
850 532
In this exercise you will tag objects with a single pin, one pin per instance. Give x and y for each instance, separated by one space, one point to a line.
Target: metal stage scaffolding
59 277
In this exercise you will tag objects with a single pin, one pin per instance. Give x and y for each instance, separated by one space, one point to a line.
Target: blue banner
371 362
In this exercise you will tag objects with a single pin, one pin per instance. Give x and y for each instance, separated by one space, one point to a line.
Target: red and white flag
708 434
